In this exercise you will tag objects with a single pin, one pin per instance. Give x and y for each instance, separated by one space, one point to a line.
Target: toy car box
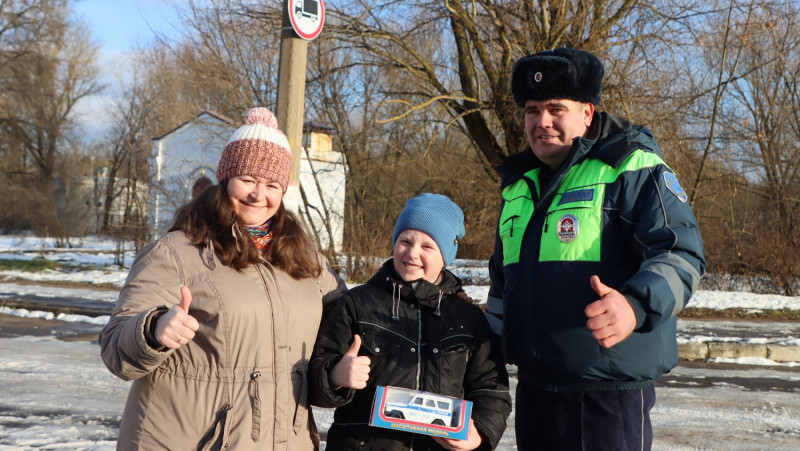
421 412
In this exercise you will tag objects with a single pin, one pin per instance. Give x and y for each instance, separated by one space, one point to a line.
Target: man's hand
352 371
464 296
176 327
611 318
473 440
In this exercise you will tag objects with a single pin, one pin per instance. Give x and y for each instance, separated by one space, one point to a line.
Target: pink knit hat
257 148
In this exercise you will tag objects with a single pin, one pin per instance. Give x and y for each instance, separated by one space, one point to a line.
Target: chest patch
675 186
567 228
580 195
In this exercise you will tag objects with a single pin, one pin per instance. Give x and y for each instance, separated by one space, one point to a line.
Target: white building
189 154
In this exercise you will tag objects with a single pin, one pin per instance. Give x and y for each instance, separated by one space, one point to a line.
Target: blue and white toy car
423 408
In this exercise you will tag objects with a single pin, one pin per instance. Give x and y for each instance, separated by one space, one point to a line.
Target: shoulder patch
675 186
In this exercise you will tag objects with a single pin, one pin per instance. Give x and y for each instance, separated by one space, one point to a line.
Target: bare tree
483 39
46 68
21 24
127 152
766 106
45 84
228 54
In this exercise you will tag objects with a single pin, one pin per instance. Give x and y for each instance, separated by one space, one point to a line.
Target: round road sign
307 17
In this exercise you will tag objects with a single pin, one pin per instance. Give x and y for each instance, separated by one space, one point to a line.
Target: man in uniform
597 251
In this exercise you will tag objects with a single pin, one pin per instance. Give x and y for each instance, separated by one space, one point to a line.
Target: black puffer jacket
417 335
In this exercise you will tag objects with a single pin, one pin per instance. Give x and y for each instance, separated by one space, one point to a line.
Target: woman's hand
351 371
473 440
176 327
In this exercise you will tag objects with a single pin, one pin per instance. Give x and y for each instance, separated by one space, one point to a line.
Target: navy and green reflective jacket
613 209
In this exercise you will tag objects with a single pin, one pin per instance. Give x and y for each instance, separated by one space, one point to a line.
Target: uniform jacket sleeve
334 339
667 240
486 385
153 283
494 301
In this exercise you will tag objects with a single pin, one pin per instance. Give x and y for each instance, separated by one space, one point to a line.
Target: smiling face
417 256
551 126
254 199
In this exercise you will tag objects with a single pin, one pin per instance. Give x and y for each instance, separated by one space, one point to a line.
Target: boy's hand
473 440
352 371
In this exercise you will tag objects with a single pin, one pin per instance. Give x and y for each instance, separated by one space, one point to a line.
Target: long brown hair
210 217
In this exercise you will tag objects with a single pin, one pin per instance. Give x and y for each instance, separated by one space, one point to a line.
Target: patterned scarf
261 235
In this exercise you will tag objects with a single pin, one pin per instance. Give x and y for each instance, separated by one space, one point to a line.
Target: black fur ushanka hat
561 73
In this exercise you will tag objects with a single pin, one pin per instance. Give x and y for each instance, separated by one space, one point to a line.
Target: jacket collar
515 166
418 291
609 139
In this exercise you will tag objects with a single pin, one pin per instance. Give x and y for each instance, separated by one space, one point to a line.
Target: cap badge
537 77
567 228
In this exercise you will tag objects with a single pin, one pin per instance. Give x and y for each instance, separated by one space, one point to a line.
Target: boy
407 327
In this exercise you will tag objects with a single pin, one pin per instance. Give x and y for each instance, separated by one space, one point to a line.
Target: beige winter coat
241 383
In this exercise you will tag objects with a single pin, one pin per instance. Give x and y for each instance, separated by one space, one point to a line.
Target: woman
217 319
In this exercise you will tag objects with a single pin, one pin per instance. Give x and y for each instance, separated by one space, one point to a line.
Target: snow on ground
56 292
98 253
66 317
58 394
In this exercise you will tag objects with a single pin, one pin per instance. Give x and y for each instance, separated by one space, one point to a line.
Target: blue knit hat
437 216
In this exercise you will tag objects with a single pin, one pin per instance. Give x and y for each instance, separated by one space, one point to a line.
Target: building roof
319 127
309 126
225 120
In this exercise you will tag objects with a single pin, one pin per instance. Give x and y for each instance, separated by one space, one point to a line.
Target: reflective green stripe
516 214
583 195
588 218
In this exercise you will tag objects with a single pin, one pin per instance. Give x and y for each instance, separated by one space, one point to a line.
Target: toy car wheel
438 422
396 414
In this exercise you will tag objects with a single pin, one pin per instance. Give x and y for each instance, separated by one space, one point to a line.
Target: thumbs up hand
611 318
176 327
352 371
